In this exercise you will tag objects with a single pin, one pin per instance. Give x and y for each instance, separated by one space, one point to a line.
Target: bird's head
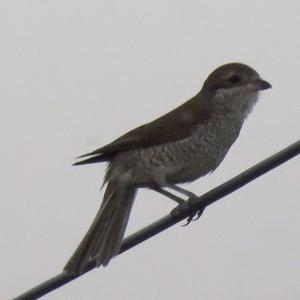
233 88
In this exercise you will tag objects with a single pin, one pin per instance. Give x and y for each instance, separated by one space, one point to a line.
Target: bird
178 147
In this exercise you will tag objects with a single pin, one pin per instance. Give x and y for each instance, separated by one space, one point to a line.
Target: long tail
104 237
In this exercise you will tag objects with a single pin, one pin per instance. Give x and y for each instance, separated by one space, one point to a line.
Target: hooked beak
263 85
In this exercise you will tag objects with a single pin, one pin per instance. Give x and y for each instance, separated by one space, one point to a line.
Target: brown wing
175 125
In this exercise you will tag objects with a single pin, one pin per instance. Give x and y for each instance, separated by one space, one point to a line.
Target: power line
178 215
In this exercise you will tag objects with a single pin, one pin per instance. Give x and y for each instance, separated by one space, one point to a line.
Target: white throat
239 101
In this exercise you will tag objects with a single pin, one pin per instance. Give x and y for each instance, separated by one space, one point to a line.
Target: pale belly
178 162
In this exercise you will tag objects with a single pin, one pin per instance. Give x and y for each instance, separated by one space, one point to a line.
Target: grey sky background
75 75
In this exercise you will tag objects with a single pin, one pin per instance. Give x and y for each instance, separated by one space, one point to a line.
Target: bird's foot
186 206
194 217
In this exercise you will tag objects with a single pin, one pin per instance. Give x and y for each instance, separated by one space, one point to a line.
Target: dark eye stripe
234 79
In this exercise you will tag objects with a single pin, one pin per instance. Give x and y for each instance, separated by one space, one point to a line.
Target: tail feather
120 220
104 237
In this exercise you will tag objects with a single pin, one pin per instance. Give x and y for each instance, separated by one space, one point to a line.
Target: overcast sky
75 75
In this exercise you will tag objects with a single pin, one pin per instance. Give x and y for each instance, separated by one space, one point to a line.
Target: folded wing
175 125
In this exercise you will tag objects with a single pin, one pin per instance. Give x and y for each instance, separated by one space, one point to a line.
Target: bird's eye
234 79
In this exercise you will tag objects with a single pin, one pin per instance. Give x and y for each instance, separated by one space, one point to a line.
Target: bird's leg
183 191
169 195
182 203
191 197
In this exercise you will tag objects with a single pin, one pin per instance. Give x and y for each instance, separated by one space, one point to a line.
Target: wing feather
175 125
